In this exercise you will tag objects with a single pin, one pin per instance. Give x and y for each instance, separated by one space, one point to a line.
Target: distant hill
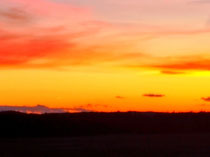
16 124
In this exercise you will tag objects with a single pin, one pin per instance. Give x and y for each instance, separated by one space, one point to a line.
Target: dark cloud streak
120 97
153 95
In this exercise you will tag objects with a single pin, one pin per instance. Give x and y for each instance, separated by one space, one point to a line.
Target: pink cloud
47 7
63 34
54 36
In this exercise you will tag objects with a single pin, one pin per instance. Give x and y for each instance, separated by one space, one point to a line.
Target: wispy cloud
61 32
176 65
51 42
207 99
15 15
188 64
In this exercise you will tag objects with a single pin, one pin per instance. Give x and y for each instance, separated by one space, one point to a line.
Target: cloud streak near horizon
41 109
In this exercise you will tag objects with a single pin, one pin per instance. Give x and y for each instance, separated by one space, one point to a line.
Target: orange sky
106 55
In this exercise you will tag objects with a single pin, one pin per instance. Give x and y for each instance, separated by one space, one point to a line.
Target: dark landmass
16 124
109 146
130 134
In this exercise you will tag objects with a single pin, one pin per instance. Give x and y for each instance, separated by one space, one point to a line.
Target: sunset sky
105 55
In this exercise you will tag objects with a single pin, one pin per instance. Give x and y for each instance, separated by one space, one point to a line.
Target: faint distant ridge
11 112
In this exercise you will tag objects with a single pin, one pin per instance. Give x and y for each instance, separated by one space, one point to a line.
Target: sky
105 55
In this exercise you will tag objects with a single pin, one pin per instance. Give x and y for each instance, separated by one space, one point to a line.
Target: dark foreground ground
109 146
130 134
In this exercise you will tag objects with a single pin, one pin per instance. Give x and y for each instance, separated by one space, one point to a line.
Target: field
129 134
195 145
